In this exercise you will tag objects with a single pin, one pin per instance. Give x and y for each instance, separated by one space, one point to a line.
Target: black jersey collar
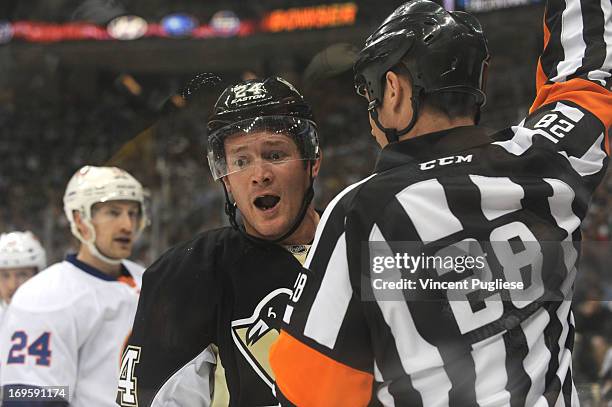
438 144
72 258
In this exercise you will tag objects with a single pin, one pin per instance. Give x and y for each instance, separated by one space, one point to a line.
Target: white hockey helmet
21 249
91 185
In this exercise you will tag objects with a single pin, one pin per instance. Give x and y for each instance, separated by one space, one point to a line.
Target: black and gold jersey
215 300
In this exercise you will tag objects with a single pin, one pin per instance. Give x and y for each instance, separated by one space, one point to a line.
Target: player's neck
88 258
431 122
306 231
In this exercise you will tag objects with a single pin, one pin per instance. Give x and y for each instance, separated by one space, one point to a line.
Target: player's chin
271 229
122 251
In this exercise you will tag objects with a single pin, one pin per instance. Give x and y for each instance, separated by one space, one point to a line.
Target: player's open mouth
266 202
123 240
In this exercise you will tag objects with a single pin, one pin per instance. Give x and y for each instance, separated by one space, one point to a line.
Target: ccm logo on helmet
458 159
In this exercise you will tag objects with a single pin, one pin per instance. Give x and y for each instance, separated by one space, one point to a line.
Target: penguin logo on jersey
255 335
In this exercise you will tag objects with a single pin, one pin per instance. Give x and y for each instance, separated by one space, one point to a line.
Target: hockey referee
442 185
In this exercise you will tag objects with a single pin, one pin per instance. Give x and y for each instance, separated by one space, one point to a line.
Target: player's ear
81 226
316 164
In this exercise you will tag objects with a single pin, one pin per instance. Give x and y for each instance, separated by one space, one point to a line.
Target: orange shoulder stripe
309 378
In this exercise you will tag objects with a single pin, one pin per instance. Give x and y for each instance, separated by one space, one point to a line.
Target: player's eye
134 214
276 156
240 162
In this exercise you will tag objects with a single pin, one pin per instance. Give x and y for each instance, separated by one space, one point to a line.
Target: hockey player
21 257
228 287
444 186
66 327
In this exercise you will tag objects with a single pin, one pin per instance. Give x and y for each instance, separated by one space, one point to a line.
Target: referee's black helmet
442 52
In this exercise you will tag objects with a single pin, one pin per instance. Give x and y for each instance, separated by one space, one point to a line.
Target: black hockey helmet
442 51
272 96
272 106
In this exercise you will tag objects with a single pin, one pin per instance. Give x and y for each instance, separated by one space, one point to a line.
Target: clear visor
265 140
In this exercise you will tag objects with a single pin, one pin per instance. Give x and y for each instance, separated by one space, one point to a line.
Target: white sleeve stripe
377 374
331 303
424 201
565 355
325 217
603 74
491 376
571 40
599 76
574 47
520 142
572 113
560 204
538 356
574 398
416 353
498 195
562 315
591 162
383 395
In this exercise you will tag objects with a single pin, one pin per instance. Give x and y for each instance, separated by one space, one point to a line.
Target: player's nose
127 222
262 174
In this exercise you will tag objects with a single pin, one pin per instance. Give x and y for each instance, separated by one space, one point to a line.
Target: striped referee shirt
343 343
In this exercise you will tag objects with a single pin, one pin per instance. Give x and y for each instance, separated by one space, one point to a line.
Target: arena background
75 92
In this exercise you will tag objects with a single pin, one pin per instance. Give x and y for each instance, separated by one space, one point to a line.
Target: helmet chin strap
393 135
230 210
91 245
308 196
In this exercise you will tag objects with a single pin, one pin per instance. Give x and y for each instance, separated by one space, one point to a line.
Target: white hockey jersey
67 326
3 307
